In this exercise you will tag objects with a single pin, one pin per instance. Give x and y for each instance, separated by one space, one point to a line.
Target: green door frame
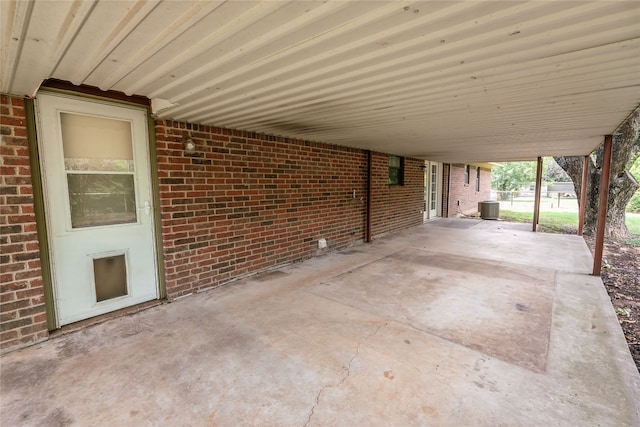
40 210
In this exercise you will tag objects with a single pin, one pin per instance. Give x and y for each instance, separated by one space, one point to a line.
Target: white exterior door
432 190
96 175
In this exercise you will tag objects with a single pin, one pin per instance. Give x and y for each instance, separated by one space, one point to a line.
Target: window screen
396 170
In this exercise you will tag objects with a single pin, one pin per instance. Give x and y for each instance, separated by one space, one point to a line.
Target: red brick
39 318
10 315
30 274
18 131
465 193
34 331
8 335
251 189
12 121
17 102
7 297
14 305
21 279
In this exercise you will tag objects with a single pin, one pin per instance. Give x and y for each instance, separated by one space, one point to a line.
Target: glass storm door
96 174
425 211
433 190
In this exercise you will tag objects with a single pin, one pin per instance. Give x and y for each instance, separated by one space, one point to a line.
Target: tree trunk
626 147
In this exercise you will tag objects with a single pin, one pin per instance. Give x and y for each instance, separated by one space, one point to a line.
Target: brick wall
394 207
245 202
466 193
242 203
22 309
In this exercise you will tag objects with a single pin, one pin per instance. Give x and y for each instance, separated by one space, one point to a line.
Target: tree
512 175
553 172
626 149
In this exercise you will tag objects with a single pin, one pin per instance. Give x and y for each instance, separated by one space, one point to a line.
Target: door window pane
98 157
434 186
104 144
110 277
101 199
110 165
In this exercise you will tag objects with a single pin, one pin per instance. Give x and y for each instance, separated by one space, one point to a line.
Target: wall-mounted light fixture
188 144
423 166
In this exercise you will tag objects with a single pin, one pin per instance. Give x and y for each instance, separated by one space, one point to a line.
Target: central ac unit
489 209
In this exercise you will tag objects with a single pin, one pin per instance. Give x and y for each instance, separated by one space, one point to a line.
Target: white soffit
439 80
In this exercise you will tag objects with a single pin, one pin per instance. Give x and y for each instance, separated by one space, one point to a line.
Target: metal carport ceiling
449 81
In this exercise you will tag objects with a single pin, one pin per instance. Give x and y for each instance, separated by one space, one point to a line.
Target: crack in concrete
347 369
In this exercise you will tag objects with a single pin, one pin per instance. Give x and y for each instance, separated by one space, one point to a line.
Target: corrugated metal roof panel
450 81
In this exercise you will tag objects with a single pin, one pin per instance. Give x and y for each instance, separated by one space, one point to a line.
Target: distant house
565 189
464 186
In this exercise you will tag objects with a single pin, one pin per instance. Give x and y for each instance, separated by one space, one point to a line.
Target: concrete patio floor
453 323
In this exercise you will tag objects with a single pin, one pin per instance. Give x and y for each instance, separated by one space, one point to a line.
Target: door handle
146 208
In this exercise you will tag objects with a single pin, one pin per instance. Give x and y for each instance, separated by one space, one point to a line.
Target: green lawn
567 222
633 224
549 221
